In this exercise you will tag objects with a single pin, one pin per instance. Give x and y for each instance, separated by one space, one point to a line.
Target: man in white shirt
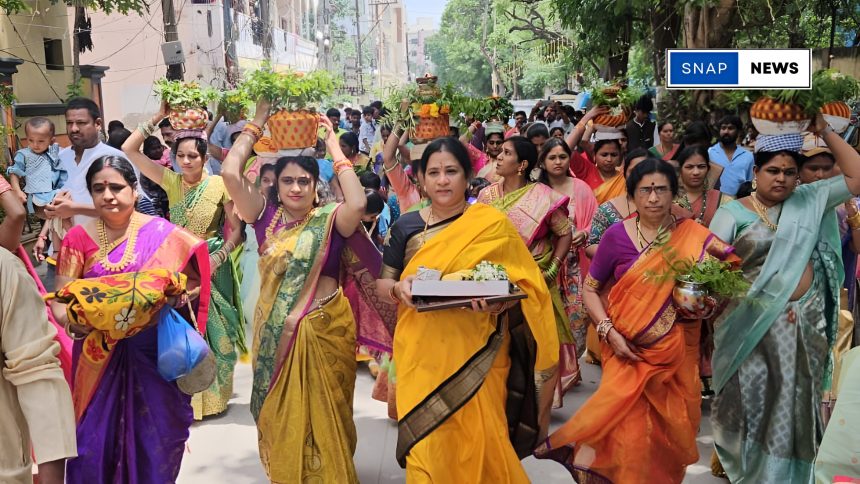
35 402
83 125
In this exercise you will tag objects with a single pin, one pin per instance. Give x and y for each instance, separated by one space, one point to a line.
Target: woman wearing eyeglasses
304 329
640 425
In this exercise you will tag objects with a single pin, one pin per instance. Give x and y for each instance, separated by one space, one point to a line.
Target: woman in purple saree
132 424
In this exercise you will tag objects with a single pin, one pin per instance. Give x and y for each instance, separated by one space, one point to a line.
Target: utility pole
359 64
175 72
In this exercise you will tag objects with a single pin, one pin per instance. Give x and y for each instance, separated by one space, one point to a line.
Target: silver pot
690 296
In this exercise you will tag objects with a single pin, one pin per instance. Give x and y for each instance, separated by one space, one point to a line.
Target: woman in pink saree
540 215
132 424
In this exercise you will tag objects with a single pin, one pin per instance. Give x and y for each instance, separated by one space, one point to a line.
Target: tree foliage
622 38
455 49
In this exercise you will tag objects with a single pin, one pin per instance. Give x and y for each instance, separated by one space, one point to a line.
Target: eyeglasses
659 190
303 181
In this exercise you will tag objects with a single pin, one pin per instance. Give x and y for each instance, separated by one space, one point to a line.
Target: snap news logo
739 68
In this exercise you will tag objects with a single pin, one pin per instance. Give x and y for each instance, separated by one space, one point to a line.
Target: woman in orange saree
607 157
641 423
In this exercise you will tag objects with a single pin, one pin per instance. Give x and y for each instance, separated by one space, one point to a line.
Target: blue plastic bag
180 346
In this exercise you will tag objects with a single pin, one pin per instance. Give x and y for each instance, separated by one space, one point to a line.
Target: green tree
456 49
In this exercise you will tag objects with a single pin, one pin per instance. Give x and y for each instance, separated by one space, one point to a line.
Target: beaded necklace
106 246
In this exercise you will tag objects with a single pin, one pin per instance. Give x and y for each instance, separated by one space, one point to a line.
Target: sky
424 8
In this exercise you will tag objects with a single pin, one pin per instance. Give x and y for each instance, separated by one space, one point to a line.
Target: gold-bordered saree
455 366
304 351
640 425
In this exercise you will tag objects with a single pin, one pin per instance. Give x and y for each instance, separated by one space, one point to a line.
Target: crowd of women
581 225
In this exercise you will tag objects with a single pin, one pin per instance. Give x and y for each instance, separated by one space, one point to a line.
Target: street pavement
224 449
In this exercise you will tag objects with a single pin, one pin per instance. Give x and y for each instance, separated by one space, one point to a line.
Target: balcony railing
288 49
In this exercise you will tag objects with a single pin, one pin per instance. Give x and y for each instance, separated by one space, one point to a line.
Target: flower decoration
124 319
488 271
93 294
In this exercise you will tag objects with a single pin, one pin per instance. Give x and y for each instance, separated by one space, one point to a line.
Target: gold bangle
393 296
592 282
854 221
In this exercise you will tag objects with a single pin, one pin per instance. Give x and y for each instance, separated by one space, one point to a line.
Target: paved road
224 449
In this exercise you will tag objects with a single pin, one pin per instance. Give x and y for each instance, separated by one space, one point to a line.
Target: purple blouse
615 255
331 267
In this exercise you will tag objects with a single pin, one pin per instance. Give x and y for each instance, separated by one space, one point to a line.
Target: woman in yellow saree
641 423
540 215
305 327
455 367
607 157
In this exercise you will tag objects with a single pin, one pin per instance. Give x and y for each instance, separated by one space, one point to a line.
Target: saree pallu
225 333
774 436
537 211
611 188
641 423
582 209
762 414
452 365
132 423
304 358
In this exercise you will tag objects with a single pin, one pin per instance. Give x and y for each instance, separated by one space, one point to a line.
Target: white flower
487 271
124 319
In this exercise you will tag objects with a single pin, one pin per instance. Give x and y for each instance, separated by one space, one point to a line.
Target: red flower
94 351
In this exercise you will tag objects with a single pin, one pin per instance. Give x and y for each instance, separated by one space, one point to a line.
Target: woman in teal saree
771 357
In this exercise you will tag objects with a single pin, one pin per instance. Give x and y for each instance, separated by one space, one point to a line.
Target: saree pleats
136 424
305 426
225 334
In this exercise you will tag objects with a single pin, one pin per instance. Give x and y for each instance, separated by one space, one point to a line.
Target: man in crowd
36 414
736 161
355 121
640 129
83 124
367 132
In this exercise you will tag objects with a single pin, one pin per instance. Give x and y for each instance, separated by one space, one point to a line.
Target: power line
47 81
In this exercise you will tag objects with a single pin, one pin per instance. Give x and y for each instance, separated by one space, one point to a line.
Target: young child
39 165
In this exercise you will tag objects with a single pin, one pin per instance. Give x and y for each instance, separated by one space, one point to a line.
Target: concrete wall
845 59
22 36
131 46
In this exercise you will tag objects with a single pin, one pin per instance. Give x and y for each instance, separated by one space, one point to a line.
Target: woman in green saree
771 360
199 202
317 273
540 215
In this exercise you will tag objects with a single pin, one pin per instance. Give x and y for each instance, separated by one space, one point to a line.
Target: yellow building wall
22 35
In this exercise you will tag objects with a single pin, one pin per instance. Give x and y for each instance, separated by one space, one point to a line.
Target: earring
753 184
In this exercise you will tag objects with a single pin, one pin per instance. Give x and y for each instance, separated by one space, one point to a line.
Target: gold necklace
427 223
761 211
105 246
280 216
